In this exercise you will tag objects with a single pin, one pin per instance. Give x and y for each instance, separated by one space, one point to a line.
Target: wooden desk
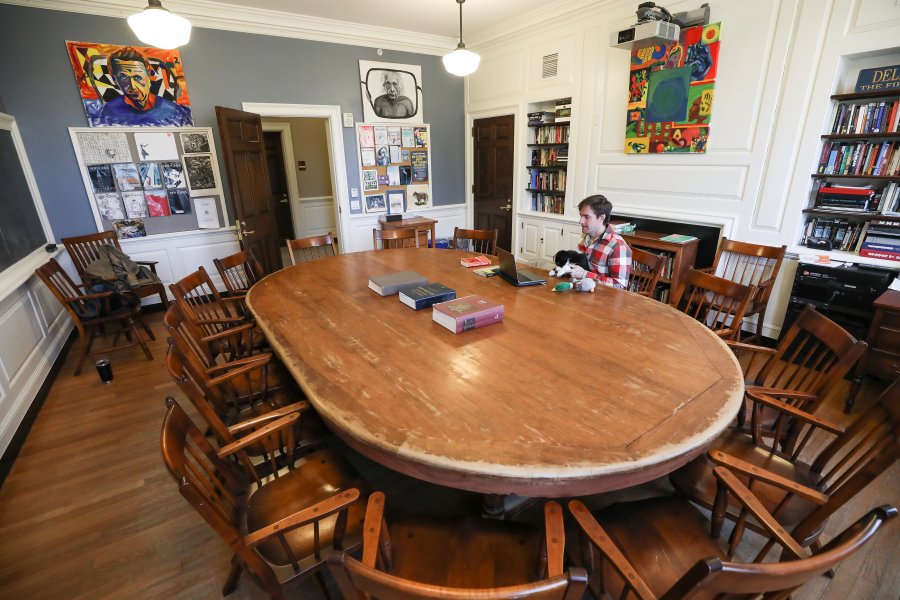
883 356
573 393
420 223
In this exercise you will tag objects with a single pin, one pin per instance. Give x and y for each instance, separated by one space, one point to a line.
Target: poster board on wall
395 167
149 181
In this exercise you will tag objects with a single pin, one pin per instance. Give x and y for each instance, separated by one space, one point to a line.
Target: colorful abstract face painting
670 93
130 86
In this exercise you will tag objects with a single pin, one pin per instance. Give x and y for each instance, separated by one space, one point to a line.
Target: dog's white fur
563 270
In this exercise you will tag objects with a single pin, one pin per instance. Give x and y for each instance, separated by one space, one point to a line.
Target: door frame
287 152
511 109
340 188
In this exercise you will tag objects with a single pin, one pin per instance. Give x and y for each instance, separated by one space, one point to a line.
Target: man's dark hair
128 54
599 205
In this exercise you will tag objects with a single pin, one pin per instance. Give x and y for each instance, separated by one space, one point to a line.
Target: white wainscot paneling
361 226
314 216
876 14
724 182
20 322
497 76
564 49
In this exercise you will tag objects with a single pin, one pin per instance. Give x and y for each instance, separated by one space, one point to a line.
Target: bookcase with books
855 200
678 251
548 156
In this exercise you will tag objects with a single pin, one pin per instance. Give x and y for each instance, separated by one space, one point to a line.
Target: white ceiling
435 17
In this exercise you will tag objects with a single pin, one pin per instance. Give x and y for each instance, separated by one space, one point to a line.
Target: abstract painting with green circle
670 93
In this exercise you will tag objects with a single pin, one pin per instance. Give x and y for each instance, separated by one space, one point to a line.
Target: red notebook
470 312
475 261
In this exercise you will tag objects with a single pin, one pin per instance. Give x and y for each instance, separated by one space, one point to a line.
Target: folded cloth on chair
115 267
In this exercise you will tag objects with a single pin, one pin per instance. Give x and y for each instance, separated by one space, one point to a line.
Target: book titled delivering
423 296
470 312
391 283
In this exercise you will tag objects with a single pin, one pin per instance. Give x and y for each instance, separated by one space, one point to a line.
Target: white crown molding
215 15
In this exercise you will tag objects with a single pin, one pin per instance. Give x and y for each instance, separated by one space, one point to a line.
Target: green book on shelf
678 238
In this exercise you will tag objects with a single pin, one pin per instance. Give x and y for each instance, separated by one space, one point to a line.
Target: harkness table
573 393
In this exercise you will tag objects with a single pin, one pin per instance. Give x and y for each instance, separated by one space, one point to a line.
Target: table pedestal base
504 506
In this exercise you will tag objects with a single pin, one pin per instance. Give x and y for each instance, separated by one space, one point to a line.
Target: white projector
645 34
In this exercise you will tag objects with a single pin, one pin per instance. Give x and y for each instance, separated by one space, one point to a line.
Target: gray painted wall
221 68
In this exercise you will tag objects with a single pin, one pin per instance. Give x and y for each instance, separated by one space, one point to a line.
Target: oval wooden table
573 393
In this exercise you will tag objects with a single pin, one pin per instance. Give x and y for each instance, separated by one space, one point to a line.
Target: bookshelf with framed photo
547 156
854 207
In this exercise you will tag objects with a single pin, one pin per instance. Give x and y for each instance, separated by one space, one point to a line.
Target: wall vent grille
550 67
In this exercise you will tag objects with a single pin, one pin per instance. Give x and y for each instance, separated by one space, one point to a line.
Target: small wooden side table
419 223
883 357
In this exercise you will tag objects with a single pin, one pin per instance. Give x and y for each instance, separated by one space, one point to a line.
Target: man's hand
578 272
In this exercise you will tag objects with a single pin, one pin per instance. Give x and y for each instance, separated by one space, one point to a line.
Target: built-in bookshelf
548 156
679 256
855 201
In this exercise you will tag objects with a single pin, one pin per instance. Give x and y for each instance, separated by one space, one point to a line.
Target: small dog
565 260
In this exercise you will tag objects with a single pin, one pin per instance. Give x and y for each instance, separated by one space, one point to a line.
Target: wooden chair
718 303
821 482
461 559
646 269
92 312
311 248
239 271
810 358
83 250
282 531
750 264
662 548
405 237
480 241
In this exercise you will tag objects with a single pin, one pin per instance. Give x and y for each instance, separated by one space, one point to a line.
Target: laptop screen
507 264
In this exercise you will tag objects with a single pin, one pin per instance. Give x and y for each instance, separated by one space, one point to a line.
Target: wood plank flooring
89 511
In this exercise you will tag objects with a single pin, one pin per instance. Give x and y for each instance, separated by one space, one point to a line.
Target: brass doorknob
508 206
284 199
247 233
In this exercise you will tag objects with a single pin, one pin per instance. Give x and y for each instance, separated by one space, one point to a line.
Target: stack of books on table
563 109
621 228
848 198
475 261
464 314
423 296
391 283
882 240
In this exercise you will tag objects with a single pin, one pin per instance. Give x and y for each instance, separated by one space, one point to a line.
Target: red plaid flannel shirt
610 259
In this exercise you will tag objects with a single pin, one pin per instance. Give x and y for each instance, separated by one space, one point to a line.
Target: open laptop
510 273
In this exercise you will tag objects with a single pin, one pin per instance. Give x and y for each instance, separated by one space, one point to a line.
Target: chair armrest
95 296
599 538
373 531
758 473
727 480
253 422
256 359
753 390
236 372
256 436
556 538
316 512
750 348
804 416
147 262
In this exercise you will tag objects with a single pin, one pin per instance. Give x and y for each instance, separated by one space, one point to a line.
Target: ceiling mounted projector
656 25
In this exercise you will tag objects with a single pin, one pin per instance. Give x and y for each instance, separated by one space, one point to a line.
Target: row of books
548 180
549 157
668 257
548 203
551 134
855 199
874 117
882 240
563 109
541 117
860 158
455 314
834 234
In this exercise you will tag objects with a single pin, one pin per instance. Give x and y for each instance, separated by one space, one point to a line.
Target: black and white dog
565 260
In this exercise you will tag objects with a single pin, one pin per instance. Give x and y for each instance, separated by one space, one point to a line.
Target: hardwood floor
89 510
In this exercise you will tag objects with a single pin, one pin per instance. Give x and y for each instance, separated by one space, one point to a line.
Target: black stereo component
843 294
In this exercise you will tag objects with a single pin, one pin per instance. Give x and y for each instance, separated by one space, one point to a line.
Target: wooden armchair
91 313
646 269
801 488
239 271
480 241
284 530
718 303
662 548
83 250
463 560
750 264
403 237
311 248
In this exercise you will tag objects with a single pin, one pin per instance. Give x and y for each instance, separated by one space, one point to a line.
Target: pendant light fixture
461 62
158 27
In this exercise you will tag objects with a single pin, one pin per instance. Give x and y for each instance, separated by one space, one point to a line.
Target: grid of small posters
395 167
146 174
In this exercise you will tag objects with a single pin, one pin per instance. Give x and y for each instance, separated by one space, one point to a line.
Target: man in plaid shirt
607 253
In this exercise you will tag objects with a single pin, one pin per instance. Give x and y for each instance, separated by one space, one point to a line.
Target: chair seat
676 534
695 480
484 553
318 476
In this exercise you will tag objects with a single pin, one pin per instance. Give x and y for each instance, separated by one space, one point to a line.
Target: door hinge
473 188
473 132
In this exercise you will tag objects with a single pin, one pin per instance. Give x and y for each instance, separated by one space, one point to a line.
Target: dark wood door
245 163
493 191
278 184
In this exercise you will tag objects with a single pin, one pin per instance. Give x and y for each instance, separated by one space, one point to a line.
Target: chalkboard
22 230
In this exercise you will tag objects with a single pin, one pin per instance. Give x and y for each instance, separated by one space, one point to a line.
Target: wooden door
493 188
245 164
278 185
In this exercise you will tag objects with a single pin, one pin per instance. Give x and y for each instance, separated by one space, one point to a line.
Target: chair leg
233 576
140 340
144 325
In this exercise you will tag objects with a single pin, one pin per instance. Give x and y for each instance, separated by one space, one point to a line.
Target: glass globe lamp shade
461 62
158 27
